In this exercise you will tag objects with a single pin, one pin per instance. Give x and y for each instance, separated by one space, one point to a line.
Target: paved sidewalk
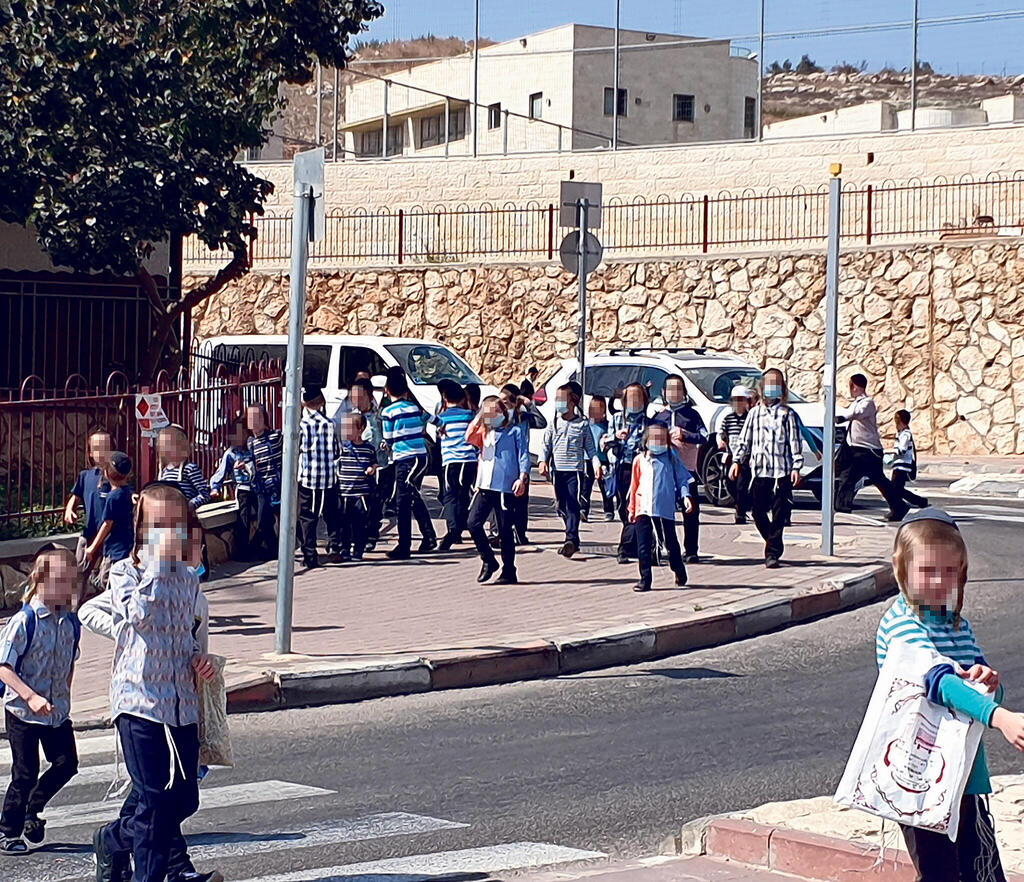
381 627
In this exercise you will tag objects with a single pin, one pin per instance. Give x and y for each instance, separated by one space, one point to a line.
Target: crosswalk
297 851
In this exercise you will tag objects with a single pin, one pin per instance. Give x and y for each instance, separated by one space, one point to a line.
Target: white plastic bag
912 757
214 737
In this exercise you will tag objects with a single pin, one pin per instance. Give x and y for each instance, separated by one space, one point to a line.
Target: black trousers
647 529
974 857
352 516
740 490
486 502
28 793
587 491
409 503
691 523
458 480
567 495
899 484
154 827
623 478
772 502
386 489
314 505
264 542
864 462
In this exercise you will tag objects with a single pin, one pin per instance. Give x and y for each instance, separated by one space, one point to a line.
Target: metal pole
292 393
319 105
828 481
384 132
615 78
913 74
582 209
334 116
760 78
476 78
447 121
504 134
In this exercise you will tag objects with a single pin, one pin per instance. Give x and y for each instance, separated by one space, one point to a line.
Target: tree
807 66
120 122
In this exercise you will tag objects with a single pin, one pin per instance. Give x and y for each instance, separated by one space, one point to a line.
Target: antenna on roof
677 23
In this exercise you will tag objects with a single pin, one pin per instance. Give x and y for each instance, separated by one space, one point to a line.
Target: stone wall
939 330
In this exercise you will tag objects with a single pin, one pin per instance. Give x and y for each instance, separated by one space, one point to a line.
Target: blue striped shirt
454 446
402 423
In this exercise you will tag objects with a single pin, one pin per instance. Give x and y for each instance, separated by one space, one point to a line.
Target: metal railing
665 225
44 431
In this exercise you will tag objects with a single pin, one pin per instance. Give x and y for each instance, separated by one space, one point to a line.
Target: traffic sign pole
828 483
582 212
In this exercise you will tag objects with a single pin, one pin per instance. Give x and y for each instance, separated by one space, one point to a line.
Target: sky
989 47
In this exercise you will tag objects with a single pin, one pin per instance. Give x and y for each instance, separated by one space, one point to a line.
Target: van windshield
427 364
315 359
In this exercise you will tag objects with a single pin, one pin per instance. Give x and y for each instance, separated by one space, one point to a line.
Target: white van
332 361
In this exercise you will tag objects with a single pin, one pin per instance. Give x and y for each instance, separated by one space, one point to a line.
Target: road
559 770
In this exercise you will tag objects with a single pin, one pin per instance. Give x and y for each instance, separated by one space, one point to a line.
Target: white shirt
863 426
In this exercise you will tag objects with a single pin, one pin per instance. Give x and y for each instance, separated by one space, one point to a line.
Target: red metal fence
43 432
681 223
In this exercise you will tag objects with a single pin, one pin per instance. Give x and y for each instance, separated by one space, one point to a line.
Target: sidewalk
383 628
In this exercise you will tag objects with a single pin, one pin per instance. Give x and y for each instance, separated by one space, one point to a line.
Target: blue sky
977 47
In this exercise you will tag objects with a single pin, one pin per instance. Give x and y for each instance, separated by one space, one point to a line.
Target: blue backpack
30 633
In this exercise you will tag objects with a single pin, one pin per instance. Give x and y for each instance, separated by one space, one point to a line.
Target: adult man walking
861 455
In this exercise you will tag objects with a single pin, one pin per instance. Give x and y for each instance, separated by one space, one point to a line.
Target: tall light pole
828 481
476 79
913 74
760 77
615 78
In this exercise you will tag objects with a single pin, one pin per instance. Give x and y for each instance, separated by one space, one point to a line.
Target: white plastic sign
149 414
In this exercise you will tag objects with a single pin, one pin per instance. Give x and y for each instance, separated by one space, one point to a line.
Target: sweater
658 483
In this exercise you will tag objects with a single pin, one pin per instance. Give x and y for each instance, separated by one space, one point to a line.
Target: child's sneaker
12 845
35 830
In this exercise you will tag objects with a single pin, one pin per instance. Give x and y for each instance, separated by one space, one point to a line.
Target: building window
749 117
494 116
537 105
608 90
396 139
682 108
369 143
457 125
430 130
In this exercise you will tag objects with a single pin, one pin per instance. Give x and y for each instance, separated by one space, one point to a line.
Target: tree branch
148 284
236 268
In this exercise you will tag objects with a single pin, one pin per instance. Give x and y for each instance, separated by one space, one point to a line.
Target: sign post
581 251
308 222
828 381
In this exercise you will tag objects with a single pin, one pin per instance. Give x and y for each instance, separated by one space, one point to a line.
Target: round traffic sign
569 252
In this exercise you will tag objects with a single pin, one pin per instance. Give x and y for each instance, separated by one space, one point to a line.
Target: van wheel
714 479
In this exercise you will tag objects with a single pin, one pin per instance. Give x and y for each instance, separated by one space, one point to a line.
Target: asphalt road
607 762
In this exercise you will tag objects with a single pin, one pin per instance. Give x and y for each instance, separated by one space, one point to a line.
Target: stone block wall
939 329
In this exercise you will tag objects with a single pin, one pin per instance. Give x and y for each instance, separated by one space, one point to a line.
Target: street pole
828 481
582 210
334 116
760 78
615 78
913 74
293 389
476 79
384 121
319 105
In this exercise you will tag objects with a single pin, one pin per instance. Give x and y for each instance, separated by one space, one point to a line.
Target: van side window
353 359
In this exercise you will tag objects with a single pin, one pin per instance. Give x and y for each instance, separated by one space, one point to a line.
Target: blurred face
933 576
165 529
675 392
740 404
899 423
773 385
657 439
633 400
239 434
254 418
597 411
100 446
174 447
360 399
493 414
506 398
351 431
59 583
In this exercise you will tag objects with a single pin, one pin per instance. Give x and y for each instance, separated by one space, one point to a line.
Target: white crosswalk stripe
87 746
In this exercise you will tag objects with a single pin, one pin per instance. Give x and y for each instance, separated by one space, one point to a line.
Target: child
568 445
267 449
355 467
402 421
598 413
113 540
154 703
904 467
771 444
38 649
172 452
239 465
502 475
658 482
728 440
687 434
624 441
361 395
930 562
318 483
524 415
90 491
458 460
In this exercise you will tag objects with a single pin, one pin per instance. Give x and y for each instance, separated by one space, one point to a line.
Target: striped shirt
402 423
350 468
454 446
771 442
732 428
318 448
905 452
267 452
190 481
568 444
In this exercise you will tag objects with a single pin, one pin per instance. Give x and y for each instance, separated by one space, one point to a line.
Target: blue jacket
504 458
659 482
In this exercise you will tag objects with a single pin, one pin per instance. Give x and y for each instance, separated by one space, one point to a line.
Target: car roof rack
672 350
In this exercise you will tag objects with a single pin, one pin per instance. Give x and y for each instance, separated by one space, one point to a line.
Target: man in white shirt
861 456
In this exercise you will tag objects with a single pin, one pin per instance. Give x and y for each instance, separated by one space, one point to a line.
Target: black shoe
622 557
894 518
507 578
12 845
681 579
110 867
692 559
771 563
494 541
446 543
740 519
488 569
609 517
398 553
215 876
311 563
35 830
585 517
923 503
427 545
356 557
641 586
370 546
568 549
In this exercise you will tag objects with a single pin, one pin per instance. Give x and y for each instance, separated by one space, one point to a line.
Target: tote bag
214 737
912 757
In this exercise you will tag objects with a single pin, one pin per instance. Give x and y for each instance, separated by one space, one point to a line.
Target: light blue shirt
153 612
47 666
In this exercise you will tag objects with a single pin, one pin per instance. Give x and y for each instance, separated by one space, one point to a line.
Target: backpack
30 633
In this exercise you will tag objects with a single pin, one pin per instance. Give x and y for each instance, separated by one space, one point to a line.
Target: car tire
713 477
